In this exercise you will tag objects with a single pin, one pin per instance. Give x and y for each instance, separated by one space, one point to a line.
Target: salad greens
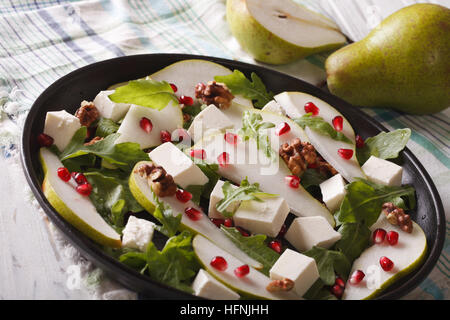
254 90
319 125
146 93
164 214
253 127
105 127
385 145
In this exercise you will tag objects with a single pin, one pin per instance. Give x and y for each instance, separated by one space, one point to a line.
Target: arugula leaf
255 246
146 93
176 264
312 178
244 192
319 125
125 155
134 259
318 292
329 262
164 214
196 191
211 171
254 128
254 90
364 200
105 127
385 145
355 239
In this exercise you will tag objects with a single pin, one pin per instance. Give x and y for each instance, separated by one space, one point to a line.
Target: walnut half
87 113
214 93
280 285
158 179
396 216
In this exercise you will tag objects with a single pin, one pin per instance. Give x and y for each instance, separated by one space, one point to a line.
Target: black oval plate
86 82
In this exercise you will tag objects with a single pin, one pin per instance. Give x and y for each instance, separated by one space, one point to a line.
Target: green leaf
355 239
253 127
312 178
164 214
364 200
385 145
254 90
319 125
134 259
105 127
146 93
318 292
196 191
211 171
329 263
255 246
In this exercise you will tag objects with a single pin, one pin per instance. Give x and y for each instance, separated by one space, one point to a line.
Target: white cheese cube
210 120
297 267
383 172
214 198
61 126
266 217
307 232
138 233
333 192
183 170
206 286
110 109
274 107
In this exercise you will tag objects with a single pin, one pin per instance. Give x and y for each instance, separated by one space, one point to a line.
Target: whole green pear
402 64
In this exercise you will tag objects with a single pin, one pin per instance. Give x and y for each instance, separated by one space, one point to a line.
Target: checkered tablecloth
41 41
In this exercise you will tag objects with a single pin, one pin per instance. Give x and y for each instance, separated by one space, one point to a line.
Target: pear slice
293 104
281 31
407 255
253 285
246 160
186 74
144 195
78 210
169 118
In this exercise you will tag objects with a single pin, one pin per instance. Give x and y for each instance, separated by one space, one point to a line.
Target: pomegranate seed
359 141
386 264
282 232
183 195
180 135
63 174
347 154
84 189
392 238
44 140
340 282
311 108
242 271
165 136
293 181
356 277
217 222
174 87
193 213
231 138
282 128
79 178
378 236
228 223
338 123
223 159
219 263
198 153
146 124
243 232
337 291
186 100
275 245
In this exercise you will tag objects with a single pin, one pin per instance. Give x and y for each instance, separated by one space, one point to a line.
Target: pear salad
254 195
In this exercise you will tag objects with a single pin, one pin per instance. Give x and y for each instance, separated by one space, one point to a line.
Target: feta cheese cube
265 217
307 232
274 107
183 170
333 192
206 286
208 121
110 109
138 233
61 126
301 269
383 172
217 195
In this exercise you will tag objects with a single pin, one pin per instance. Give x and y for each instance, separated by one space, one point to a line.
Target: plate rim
111 265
